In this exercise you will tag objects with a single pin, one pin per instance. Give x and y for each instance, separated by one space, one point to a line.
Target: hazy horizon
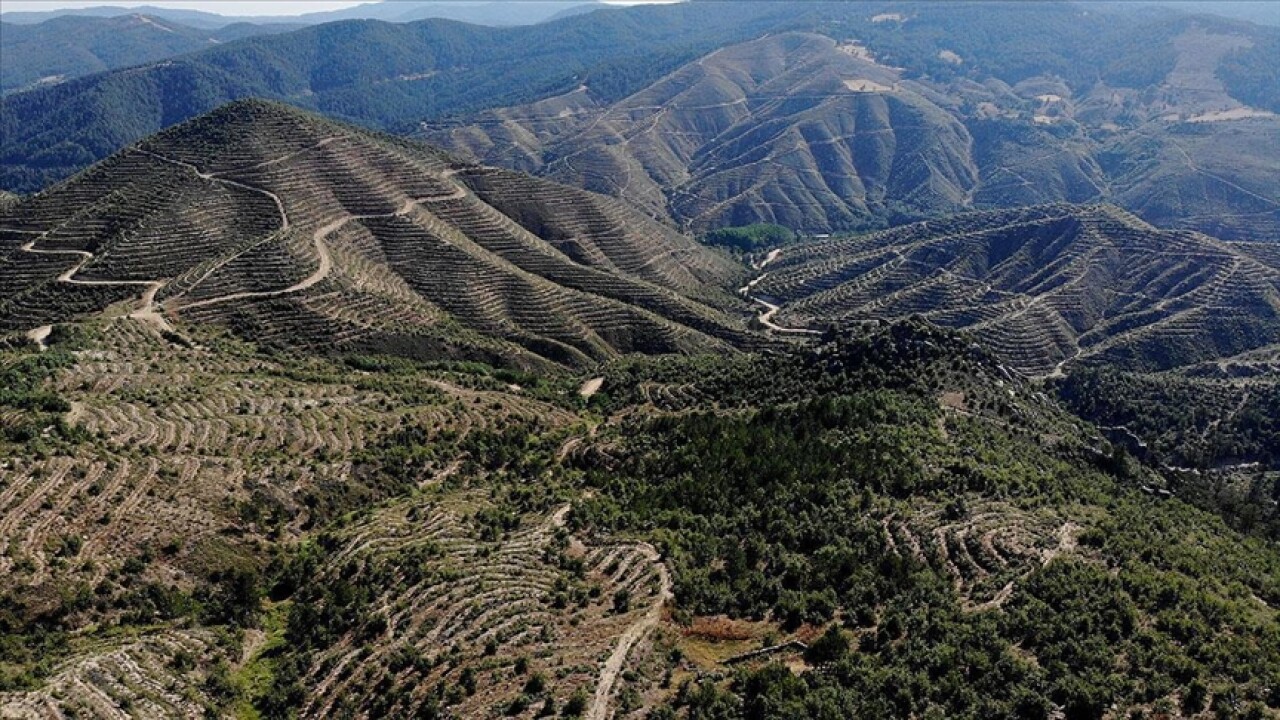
221 7
227 7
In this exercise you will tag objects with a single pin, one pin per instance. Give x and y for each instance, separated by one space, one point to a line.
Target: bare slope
1044 287
300 232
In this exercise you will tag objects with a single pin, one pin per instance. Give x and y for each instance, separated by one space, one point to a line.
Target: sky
222 7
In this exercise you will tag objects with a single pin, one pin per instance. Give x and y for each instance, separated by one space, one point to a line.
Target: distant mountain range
381 75
822 134
481 12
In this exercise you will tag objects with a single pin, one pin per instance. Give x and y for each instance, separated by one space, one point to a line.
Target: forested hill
65 48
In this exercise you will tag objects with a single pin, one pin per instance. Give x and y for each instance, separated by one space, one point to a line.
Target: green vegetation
775 511
1250 77
750 238
1221 435
70 47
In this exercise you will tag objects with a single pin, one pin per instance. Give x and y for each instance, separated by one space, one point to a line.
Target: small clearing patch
591 387
864 85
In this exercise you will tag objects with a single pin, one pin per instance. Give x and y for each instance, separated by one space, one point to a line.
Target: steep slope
69 47
793 129
300 232
1045 287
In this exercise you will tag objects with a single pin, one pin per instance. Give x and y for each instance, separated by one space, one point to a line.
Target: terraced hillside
130 527
794 129
860 126
303 233
823 497
1046 288
192 525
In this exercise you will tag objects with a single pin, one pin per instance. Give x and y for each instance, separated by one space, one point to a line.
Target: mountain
496 13
298 232
793 129
1047 287
69 47
1263 13
381 75
190 18
820 134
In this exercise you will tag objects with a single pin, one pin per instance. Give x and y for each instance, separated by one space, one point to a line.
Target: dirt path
284 217
322 250
599 709
148 310
773 255
766 319
766 316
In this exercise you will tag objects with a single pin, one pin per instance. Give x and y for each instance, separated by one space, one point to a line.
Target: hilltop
299 232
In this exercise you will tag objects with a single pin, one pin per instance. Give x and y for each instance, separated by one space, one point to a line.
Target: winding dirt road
147 312
599 709
151 312
766 317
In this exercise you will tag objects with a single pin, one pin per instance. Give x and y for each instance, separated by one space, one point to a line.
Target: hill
482 12
299 232
1047 287
69 47
479 12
